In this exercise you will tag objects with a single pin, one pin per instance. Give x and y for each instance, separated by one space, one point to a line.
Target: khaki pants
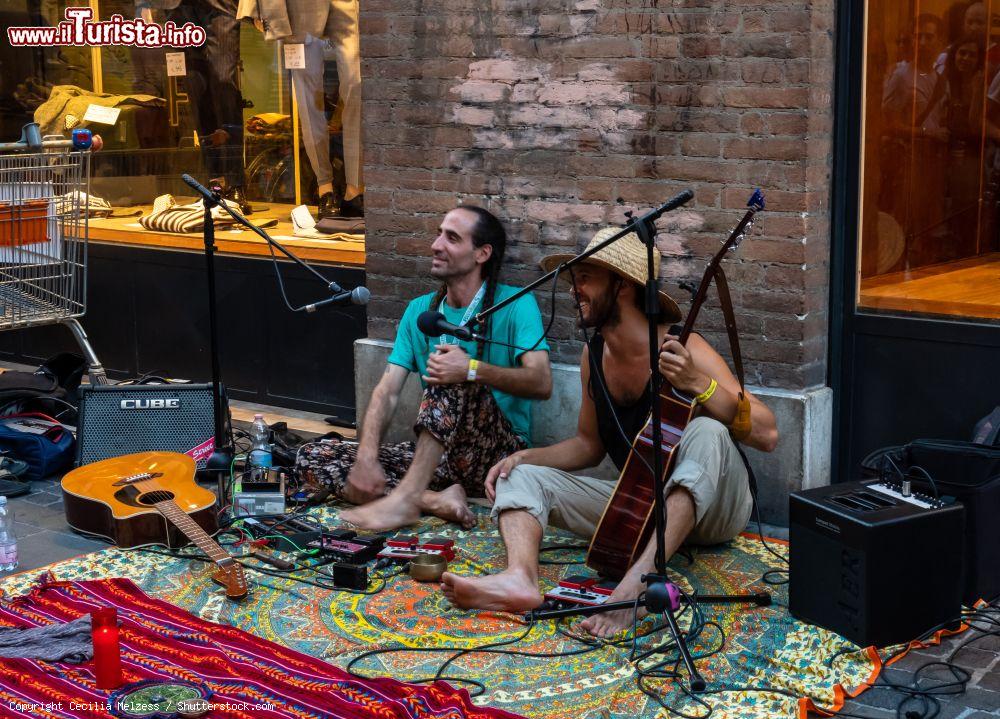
708 466
342 32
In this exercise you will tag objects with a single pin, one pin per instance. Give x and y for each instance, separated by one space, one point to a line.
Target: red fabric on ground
243 672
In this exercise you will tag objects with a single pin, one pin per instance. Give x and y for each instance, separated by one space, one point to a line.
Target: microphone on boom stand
357 296
222 458
206 193
434 324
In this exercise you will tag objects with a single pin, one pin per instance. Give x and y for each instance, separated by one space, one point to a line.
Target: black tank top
632 417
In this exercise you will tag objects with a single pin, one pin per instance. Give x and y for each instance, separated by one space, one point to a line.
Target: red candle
107 655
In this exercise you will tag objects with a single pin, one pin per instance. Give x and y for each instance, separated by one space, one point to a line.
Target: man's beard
604 311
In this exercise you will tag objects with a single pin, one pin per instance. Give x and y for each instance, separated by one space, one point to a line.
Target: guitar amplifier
124 419
875 562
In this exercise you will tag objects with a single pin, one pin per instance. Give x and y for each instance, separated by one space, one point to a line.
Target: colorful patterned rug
764 647
240 675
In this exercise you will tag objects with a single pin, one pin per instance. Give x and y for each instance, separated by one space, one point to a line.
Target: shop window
930 184
240 109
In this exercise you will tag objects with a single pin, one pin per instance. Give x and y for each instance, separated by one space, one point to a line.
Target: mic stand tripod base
665 600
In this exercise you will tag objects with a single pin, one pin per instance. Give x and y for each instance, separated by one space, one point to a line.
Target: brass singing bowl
428 567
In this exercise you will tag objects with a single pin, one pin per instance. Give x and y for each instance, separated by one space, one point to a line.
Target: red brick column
548 112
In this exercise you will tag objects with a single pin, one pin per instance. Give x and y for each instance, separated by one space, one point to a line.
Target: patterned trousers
464 418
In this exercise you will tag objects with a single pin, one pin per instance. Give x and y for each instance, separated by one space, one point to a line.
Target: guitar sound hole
148 499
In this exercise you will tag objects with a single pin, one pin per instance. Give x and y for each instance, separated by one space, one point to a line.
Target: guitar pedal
580 591
403 548
347 546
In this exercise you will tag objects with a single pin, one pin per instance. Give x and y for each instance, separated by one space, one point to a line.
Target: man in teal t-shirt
476 405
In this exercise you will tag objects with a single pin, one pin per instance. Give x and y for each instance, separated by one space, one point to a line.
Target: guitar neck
193 531
706 280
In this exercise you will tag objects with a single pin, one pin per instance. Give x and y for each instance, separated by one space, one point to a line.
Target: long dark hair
487 231
951 64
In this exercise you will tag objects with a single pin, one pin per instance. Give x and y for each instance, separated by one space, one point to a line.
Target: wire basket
43 229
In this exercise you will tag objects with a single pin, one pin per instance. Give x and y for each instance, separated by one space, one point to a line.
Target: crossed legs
411 496
461 433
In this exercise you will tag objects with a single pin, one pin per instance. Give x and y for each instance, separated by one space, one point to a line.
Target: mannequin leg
307 85
342 31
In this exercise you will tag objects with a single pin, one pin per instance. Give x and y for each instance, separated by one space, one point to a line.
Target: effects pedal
260 490
285 535
579 590
404 547
348 546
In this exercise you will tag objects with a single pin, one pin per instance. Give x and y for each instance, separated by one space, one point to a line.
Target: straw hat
625 257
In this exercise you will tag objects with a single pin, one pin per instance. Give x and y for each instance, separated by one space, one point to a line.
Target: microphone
200 189
677 200
433 323
357 296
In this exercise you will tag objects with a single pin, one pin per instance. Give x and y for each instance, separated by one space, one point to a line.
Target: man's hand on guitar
448 365
677 366
500 472
365 482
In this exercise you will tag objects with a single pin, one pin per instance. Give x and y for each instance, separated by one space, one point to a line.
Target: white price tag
295 57
101 114
175 64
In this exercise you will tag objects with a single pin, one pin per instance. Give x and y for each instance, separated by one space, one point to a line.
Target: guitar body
96 503
628 522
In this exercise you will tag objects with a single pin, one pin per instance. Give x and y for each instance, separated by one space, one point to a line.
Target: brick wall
548 111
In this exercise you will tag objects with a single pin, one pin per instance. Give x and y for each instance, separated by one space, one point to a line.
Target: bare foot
610 623
505 592
390 512
451 505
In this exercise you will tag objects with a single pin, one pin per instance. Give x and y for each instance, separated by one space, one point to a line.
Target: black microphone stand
661 595
222 456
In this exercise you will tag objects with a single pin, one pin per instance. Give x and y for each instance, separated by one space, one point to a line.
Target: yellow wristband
707 394
473 366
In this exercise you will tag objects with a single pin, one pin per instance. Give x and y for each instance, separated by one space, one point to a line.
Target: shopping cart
44 193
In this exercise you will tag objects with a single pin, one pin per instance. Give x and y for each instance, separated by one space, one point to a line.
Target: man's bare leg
403 505
516 588
680 522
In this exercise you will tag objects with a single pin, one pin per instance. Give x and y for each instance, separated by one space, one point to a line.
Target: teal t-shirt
518 324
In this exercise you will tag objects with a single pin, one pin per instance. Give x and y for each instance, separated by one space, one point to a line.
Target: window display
268 108
929 239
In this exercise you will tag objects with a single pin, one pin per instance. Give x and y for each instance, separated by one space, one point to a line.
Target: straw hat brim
670 308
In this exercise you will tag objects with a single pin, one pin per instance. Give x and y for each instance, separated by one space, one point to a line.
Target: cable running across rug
764 647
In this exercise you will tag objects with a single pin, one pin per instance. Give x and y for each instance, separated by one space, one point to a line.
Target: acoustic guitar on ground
149 498
627 522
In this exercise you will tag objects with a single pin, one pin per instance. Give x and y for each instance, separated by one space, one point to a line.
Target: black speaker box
873 565
122 419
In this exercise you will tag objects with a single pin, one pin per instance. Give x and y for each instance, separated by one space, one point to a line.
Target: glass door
930 190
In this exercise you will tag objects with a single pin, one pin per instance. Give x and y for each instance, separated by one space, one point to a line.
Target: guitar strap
740 427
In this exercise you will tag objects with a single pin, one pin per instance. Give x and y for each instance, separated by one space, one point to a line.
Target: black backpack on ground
50 389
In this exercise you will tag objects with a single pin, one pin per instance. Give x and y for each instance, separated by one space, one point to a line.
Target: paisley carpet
764 646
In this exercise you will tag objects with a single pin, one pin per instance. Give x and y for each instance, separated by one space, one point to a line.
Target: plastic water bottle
260 452
8 540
